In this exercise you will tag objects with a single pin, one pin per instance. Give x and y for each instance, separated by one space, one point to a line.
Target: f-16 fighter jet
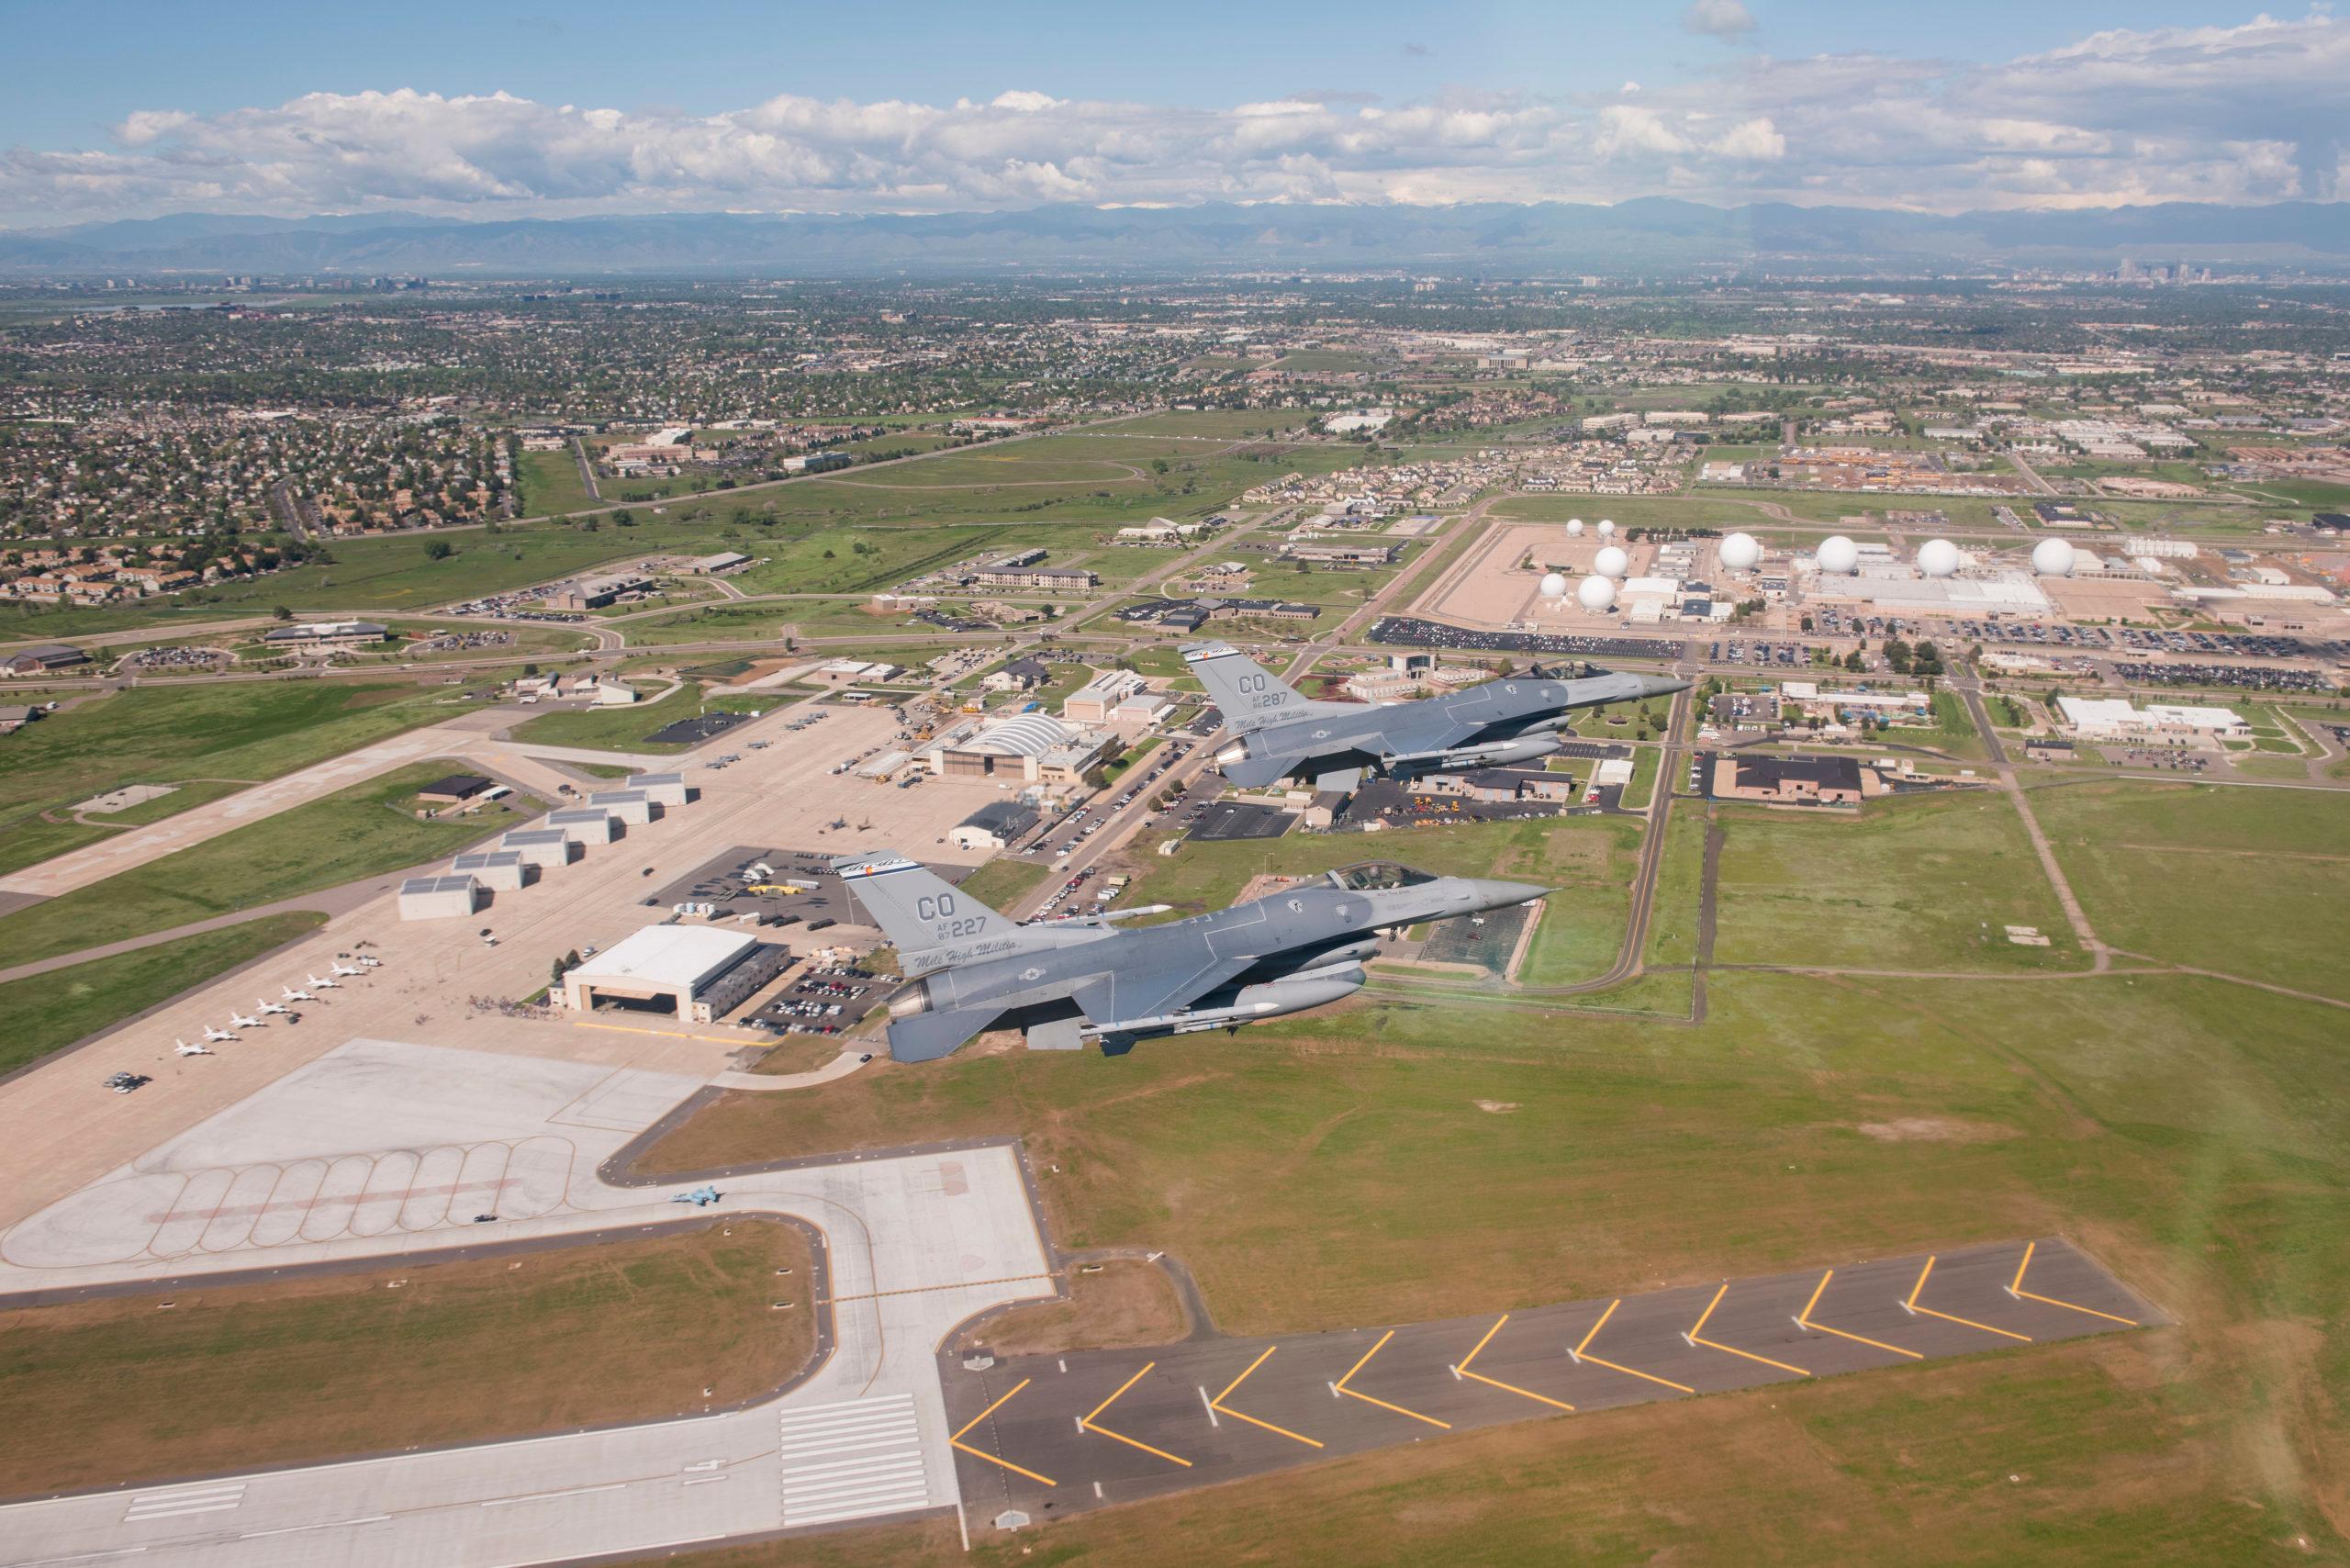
1065 983
1280 733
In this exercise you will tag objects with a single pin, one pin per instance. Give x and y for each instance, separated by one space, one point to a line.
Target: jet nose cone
1503 895
1661 685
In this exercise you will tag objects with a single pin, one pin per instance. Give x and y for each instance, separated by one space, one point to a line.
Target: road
1970 690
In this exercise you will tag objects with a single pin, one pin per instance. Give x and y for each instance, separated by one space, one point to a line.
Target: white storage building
661 789
438 898
631 806
589 825
540 846
500 871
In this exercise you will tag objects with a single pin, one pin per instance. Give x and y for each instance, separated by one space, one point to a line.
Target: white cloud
1627 131
1718 18
2249 113
1752 142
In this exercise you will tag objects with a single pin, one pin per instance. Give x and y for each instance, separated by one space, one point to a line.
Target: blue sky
78 69
115 109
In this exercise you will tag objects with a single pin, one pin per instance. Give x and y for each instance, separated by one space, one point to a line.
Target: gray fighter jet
1281 735
1069 981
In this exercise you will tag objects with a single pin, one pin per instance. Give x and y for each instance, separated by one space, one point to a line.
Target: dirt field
1128 1303
1490 588
231 1379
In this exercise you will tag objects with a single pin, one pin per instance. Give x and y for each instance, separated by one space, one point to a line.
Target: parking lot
1047 1435
2242 677
1227 820
826 999
698 729
725 883
1409 631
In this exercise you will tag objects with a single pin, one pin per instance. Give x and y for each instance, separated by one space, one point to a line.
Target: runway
384 1150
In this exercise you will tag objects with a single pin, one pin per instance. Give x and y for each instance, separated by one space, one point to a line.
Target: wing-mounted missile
1492 754
1250 1005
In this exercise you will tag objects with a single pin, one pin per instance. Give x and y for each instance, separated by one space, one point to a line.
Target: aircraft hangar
696 972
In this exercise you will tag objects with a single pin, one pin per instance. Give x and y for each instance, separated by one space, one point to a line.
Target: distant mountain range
1656 235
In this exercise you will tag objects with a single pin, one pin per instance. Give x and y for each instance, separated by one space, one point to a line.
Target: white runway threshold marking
852 1461
183 1500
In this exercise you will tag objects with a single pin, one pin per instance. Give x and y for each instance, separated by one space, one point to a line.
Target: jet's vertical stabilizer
1248 695
916 908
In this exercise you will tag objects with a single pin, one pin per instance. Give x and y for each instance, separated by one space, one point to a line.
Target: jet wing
927 1036
1367 733
1151 990
1423 735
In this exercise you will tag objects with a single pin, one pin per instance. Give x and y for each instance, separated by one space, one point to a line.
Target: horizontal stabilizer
927 1036
1256 772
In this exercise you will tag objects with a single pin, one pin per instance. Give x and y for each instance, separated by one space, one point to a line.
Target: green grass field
243 732
1210 876
1924 883
1673 912
361 831
551 484
2245 882
1583 922
235 1377
1000 883
50 1011
615 729
2180 1129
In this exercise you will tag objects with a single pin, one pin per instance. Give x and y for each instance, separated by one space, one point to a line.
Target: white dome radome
1611 562
1596 594
1740 552
1937 558
1837 554
2052 558
1574 528
1554 586
1607 528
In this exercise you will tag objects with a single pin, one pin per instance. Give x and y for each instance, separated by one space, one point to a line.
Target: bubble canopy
1376 876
